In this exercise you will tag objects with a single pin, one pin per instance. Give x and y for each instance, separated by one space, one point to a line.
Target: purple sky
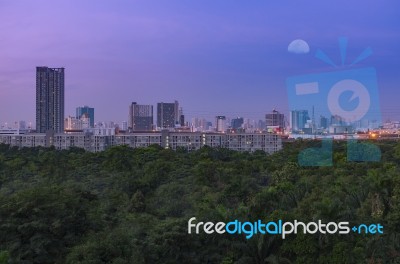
214 57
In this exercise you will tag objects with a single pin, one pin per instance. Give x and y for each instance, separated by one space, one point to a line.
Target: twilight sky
214 57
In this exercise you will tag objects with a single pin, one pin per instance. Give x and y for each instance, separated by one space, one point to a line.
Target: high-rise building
324 122
237 122
337 120
275 119
74 124
181 117
199 124
220 123
298 119
167 114
261 125
140 117
49 99
248 125
87 111
124 125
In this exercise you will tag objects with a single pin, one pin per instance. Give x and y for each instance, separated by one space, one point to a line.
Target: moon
299 46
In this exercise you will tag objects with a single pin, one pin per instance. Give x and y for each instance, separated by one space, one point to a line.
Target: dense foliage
132 205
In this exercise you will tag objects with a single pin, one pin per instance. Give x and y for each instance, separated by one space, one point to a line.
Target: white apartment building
95 142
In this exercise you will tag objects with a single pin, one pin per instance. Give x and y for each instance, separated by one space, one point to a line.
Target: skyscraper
275 119
181 117
49 99
337 120
324 122
237 122
140 117
80 111
167 114
298 119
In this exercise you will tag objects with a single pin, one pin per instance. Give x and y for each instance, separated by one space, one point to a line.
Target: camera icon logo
358 90
348 97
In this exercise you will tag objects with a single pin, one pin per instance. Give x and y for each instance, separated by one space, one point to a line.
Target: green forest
129 205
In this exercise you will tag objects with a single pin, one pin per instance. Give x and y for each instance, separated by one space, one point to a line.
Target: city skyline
215 59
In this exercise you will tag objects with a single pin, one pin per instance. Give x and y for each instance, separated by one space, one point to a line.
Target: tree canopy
128 205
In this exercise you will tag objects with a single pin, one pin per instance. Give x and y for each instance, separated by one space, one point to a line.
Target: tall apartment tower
85 110
49 99
168 115
140 117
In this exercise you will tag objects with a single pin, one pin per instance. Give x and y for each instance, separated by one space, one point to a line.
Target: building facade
237 122
74 124
49 99
167 115
323 123
140 117
220 123
87 112
94 142
275 119
298 119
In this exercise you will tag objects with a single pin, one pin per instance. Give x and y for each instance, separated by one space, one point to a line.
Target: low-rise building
95 142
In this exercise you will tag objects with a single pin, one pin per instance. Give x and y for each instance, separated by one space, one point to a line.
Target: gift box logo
347 93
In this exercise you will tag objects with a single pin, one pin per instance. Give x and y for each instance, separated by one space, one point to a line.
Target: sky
215 57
